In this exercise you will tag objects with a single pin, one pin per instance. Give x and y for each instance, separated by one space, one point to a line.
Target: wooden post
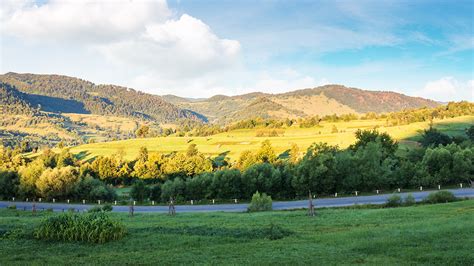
131 210
33 209
171 208
311 205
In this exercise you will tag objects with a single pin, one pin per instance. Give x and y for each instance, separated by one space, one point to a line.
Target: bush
260 202
93 228
94 189
440 197
105 208
8 184
139 191
394 201
410 200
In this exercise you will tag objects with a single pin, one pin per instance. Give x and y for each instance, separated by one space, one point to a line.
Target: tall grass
92 227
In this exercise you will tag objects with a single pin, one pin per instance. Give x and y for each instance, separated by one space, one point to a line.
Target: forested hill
324 100
62 94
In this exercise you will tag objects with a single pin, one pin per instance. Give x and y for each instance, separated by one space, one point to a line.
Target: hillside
62 94
324 100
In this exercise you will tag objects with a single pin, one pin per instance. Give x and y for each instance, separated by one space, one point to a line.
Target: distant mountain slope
55 93
324 100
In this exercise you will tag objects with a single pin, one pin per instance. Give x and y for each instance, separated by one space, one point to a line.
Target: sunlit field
234 142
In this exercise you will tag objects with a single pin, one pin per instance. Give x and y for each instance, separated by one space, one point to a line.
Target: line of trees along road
373 162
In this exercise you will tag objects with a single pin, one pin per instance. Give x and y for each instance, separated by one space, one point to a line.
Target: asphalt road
277 205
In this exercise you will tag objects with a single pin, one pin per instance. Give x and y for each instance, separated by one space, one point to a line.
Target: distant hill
324 100
62 94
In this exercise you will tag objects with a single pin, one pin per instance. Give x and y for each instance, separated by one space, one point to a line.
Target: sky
203 48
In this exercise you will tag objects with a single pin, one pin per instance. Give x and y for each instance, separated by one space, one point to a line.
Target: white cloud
448 89
85 20
180 48
286 80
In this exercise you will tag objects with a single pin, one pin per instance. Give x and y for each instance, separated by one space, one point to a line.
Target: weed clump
260 202
394 201
92 228
440 197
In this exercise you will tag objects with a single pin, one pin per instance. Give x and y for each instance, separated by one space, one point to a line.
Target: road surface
277 205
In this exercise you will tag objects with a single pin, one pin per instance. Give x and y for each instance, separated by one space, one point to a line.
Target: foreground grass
428 234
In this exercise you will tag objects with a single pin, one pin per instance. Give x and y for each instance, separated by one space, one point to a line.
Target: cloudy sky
201 48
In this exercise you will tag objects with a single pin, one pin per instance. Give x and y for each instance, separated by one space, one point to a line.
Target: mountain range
63 94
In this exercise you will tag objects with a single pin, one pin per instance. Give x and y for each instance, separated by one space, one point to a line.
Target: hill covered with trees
321 101
62 94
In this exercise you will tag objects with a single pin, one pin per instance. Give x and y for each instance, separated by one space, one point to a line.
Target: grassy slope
429 234
239 140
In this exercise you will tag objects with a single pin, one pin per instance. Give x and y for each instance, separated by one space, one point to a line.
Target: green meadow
233 143
421 234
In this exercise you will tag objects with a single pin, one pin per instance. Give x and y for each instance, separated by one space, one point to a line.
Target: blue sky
202 48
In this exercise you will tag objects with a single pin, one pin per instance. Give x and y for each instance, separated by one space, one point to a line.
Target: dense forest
86 97
373 162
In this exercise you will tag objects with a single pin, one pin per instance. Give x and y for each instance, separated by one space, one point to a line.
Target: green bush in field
105 208
93 228
260 202
409 200
440 197
394 201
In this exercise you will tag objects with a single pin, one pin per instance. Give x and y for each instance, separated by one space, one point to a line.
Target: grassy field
234 142
426 234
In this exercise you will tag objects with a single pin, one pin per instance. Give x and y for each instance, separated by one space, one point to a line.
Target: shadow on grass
272 232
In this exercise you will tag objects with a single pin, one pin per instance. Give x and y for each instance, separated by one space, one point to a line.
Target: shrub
93 228
8 184
440 197
260 202
409 200
93 189
139 191
105 208
394 201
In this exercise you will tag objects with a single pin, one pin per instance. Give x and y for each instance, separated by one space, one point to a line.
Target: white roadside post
377 191
134 203
460 185
115 202
335 195
13 199
152 202
83 201
26 199
439 187
39 199
357 193
192 202
421 188
398 190
235 200
54 200
67 201
98 201
213 201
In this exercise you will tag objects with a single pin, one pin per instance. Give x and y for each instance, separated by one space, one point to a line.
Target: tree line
373 162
